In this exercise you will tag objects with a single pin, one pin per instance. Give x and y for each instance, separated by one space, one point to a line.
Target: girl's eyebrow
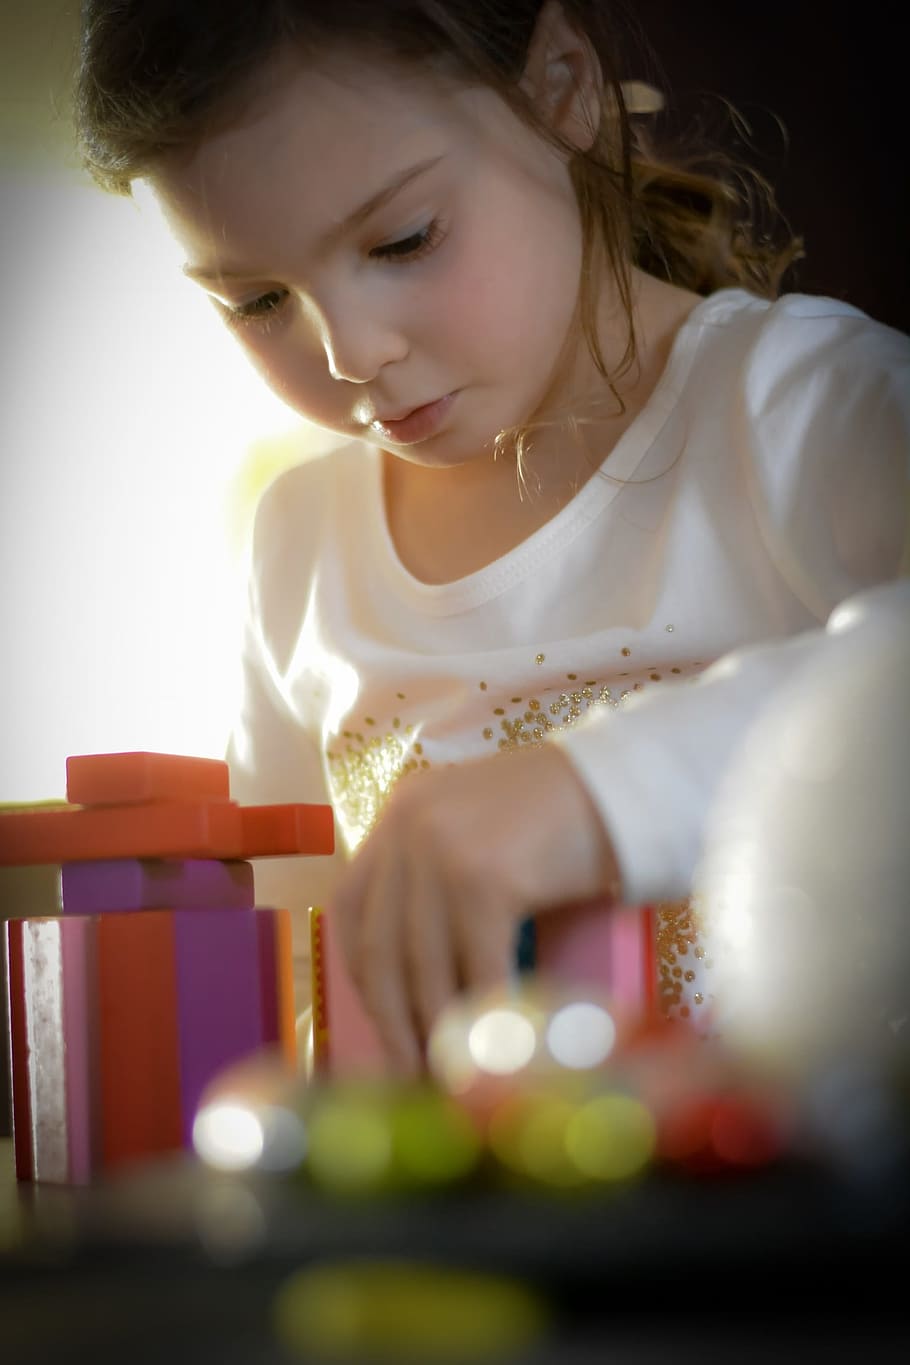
347 224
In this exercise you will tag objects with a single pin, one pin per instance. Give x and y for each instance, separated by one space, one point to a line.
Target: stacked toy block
159 969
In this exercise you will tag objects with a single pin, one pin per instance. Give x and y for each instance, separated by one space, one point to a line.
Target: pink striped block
94 1085
599 944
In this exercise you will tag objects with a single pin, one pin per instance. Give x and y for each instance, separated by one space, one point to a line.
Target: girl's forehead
310 145
330 132
341 104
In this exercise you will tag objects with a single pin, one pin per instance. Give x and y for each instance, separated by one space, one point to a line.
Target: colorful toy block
613 947
183 829
116 884
117 779
119 1021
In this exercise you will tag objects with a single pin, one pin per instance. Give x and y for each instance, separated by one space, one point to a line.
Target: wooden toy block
120 1022
220 830
219 1005
18 1041
117 884
119 778
274 831
138 1036
80 1034
601 944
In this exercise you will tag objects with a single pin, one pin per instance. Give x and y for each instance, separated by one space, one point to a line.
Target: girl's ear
563 77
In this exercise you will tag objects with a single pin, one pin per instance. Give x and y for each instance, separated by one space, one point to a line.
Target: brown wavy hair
154 75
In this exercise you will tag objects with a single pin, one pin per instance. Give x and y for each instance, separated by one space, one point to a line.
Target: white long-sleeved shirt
764 481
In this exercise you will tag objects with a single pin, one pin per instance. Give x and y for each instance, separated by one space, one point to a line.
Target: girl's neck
429 510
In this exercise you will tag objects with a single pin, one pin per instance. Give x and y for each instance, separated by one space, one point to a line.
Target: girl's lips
418 425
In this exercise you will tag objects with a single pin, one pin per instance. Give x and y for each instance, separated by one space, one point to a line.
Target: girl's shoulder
299 493
793 331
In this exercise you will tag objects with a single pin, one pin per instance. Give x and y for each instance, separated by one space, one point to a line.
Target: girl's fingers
428 948
484 933
378 964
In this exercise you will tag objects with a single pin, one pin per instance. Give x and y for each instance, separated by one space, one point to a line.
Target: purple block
95 888
219 1006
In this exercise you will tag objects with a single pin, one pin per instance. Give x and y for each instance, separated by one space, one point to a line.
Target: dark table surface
177 1263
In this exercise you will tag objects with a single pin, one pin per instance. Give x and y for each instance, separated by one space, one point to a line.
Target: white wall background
126 412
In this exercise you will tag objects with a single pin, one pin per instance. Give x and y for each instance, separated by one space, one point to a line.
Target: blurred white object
805 874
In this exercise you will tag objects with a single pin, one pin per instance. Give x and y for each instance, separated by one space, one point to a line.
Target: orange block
121 778
165 830
274 831
138 1038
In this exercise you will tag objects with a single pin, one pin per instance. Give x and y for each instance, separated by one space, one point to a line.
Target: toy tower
158 969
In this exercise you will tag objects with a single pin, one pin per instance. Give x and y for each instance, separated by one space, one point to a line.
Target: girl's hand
431 903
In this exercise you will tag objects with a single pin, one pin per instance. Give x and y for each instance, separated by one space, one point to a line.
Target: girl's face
380 242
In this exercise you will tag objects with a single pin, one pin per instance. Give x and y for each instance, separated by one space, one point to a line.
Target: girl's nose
357 347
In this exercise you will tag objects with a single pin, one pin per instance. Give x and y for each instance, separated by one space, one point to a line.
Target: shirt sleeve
273 759
654 772
824 416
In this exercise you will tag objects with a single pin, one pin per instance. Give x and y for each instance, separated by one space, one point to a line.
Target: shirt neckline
474 589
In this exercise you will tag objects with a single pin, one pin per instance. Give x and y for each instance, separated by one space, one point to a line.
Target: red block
22 1138
220 830
122 778
139 1056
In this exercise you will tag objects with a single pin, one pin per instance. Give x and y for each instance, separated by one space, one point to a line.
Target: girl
586 449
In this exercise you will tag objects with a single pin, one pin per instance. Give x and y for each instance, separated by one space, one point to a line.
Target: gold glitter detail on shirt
571 676
488 733
542 716
400 696
540 658
482 686
625 651
669 629
361 777
677 933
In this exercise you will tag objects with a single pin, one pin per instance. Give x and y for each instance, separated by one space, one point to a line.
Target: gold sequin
677 933
488 733
540 658
482 686
669 629
361 777
625 651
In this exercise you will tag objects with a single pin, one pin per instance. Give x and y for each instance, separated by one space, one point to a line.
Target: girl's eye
410 248
257 309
